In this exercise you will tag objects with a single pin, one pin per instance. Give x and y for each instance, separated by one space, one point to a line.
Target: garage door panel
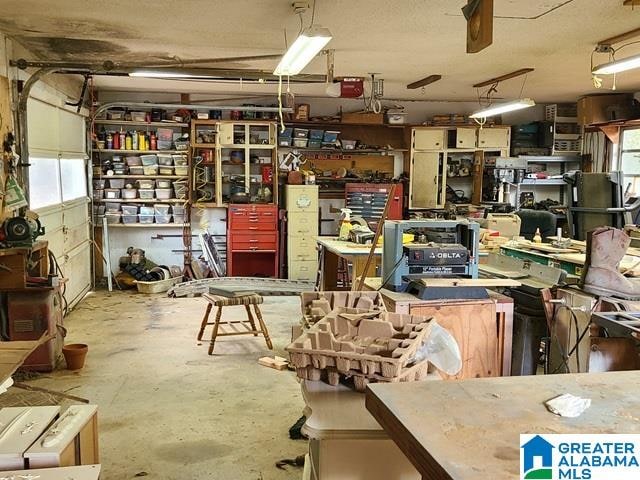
72 137
76 213
43 126
76 269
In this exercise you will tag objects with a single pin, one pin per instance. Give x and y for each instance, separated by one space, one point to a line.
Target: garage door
58 190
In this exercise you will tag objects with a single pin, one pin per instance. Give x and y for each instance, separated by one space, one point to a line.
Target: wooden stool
247 301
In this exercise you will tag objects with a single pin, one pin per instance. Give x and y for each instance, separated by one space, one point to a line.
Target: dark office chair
534 219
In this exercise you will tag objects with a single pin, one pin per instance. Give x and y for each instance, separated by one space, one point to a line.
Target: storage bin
165 160
182 171
330 136
181 144
146 183
396 118
149 159
112 193
166 170
112 218
138 116
178 209
180 189
163 218
129 209
112 207
133 161
179 218
129 218
300 142
163 193
116 183
99 184
316 134
284 141
146 194
348 144
151 170
98 210
136 170
163 183
288 132
300 133
315 143
129 193
146 210
98 194
115 115
161 209
180 160
145 218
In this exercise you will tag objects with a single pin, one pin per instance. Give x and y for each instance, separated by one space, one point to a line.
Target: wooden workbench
470 429
333 250
461 317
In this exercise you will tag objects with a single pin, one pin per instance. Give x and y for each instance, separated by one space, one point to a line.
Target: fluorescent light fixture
308 44
617 66
154 74
504 108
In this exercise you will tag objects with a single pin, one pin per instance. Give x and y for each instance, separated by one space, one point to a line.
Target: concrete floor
169 409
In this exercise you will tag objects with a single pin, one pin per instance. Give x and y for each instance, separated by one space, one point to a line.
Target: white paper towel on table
567 405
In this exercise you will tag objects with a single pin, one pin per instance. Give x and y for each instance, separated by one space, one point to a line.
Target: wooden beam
502 78
631 3
622 37
480 27
424 82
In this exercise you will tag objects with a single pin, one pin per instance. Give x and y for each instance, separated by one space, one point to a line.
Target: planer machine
455 256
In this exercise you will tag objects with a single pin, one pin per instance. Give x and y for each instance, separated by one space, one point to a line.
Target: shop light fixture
503 108
617 66
308 44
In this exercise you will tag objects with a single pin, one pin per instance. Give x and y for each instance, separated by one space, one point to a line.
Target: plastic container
181 144
180 160
180 189
300 133
133 161
98 210
75 355
165 160
116 183
149 159
163 183
151 170
146 183
112 193
316 134
138 116
288 132
136 170
179 218
163 218
129 209
330 136
182 171
315 143
129 193
112 207
146 194
112 218
99 184
146 219
98 194
128 219
178 209
147 210
115 115
166 170
284 141
158 286
163 193
348 144
300 142
161 209
396 118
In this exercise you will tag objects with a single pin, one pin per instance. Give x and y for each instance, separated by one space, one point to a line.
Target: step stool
249 324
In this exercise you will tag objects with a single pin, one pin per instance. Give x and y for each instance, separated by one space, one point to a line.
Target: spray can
345 224
109 141
116 141
122 141
134 141
153 142
142 144
128 141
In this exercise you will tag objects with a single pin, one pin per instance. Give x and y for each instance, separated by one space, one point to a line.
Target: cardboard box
604 108
368 118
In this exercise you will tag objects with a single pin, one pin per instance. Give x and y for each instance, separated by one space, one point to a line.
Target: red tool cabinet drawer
253 241
253 217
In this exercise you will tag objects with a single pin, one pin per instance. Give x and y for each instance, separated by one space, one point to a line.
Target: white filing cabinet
301 202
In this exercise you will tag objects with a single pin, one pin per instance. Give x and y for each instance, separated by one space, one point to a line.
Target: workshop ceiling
402 41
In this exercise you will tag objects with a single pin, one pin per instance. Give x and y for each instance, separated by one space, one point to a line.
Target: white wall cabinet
426 178
429 139
466 137
497 137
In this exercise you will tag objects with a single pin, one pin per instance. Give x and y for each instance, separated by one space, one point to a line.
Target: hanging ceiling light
617 66
308 44
503 108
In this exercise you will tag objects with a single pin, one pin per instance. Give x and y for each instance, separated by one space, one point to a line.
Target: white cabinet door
465 137
429 139
225 134
493 138
426 180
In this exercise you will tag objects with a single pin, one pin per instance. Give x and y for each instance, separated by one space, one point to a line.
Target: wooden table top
343 248
455 430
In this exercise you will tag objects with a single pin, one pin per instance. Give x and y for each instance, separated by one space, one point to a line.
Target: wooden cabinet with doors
494 137
428 179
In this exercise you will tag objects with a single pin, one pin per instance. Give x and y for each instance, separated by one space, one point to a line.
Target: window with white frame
54 180
630 159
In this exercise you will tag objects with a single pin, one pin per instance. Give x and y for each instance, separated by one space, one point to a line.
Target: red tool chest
252 241
32 313
367 200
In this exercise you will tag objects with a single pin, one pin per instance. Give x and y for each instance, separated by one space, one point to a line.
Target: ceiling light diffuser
503 108
308 44
617 66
